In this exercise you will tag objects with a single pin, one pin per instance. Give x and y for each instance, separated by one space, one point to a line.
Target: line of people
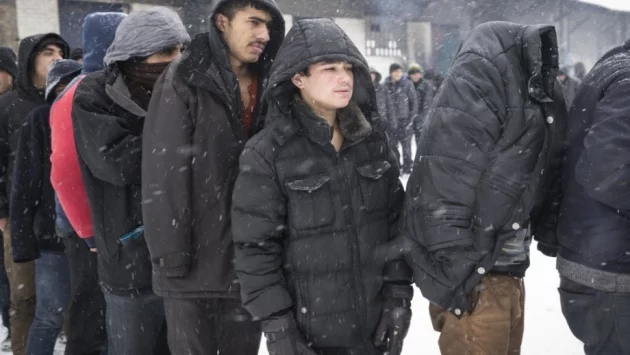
187 203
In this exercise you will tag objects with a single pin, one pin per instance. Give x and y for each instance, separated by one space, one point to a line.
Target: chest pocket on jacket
310 202
374 187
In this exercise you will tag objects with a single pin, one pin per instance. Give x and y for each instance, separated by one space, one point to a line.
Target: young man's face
397 75
45 58
6 82
246 34
415 77
373 76
328 85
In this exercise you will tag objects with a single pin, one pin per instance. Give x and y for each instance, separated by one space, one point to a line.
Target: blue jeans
600 320
52 286
135 323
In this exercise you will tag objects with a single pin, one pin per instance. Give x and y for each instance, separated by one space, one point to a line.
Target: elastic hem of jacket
597 279
593 262
508 271
397 291
4 213
24 256
196 294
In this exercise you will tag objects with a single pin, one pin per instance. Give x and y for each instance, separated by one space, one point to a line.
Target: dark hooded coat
15 107
311 225
193 137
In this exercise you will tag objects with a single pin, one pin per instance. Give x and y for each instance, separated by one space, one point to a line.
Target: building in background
404 31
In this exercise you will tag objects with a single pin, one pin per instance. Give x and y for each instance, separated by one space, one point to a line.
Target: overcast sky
620 5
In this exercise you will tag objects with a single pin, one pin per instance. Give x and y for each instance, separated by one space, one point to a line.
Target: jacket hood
8 61
537 51
99 30
65 69
26 55
146 32
276 36
313 41
377 75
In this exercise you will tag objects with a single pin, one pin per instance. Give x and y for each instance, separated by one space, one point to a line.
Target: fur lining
353 123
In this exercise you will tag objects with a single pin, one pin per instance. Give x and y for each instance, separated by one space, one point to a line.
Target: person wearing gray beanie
108 115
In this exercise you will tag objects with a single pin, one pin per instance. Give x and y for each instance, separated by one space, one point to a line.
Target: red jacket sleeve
65 175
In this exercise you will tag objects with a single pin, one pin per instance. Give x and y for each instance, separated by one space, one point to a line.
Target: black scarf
140 78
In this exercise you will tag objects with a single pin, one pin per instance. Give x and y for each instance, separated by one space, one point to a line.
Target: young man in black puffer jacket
316 205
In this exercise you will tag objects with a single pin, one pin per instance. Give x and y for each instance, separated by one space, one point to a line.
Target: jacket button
550 120
303 310
516 226
481 271
458 311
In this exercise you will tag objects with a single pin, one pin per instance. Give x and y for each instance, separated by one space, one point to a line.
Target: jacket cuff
173 265
392 291
90 242
24 256
548 250
273 300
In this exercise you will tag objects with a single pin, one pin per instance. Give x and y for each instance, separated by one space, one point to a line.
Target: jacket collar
118 91
352 123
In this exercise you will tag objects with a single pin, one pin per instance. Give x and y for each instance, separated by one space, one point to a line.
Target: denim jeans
52 285
600 320
135 323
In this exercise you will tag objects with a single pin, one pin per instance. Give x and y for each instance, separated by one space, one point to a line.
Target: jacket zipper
354 247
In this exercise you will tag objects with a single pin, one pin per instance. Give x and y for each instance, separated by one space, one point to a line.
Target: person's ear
298 81
221 22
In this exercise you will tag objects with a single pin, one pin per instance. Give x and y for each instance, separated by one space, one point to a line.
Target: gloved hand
395 319
283 337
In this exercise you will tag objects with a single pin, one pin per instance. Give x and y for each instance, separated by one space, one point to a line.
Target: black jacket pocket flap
309 184
374 170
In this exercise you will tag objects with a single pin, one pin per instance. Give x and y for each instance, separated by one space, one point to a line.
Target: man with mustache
203 110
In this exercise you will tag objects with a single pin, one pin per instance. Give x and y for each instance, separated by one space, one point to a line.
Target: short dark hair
230 8
394 67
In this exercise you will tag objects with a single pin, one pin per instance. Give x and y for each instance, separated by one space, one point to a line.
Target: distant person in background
424 92
405 103
580 71
384 104
569 85
77 55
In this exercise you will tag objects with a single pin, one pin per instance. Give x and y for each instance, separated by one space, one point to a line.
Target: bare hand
3 224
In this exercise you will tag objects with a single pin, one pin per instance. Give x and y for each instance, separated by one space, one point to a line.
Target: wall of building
8 25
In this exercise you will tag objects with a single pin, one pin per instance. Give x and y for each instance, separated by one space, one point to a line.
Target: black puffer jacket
311 225
404 101
486 162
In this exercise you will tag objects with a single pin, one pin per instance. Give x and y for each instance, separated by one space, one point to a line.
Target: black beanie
394 67
52 40
8 61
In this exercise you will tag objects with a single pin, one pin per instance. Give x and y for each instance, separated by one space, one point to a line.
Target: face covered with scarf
141 73
146 41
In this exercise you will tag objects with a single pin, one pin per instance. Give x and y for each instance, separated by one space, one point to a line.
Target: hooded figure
86 314
384 102
108 114
33 216
99 30
35 53
483 184
8 66
570 85
312 221
199 124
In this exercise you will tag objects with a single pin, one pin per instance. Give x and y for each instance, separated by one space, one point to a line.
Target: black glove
283 337
395 319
